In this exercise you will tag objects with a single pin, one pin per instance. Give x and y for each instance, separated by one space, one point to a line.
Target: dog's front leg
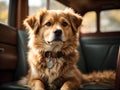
37 85
71 84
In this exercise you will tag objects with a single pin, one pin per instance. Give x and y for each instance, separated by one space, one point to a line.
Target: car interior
98 50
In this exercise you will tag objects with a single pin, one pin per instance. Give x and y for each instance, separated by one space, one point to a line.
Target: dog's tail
102 78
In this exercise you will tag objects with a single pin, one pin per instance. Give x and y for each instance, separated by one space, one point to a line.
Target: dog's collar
51 56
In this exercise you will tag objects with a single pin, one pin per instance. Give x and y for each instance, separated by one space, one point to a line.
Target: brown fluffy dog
52 55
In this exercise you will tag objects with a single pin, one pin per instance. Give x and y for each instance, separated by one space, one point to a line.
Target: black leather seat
95 54
98 54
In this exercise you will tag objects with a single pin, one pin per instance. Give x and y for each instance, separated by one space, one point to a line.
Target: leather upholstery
95 54
96 87
13 86
98 53
22 65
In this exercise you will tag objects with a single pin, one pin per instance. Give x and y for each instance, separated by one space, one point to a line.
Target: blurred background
109 19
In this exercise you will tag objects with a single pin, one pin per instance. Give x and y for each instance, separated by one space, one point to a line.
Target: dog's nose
58 32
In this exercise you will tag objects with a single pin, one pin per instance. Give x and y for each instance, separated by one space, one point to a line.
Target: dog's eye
64 24
48 24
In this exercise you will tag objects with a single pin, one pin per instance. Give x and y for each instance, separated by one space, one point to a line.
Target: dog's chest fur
48 74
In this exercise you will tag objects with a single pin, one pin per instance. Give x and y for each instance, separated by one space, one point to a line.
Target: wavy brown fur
64 74
106 78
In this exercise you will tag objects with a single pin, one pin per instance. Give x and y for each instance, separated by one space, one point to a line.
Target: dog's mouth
55 41
58 39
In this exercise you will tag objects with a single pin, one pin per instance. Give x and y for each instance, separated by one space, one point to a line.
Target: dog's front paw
66 88
69 85
37 85
37 88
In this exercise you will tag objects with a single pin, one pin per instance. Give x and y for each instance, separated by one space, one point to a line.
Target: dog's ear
33 22
75 19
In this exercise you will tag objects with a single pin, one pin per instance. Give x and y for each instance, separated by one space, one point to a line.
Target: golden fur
64 72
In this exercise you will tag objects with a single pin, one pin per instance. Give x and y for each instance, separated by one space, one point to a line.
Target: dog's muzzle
58 35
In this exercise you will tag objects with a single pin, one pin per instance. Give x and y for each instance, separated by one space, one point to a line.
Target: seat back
22 65
98 53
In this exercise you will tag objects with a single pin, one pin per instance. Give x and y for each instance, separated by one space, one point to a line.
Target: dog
53 54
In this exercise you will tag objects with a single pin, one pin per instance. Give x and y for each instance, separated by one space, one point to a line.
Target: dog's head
53 27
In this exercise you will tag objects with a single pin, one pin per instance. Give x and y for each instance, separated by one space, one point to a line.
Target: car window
56 5
89 23
35 5
4 8
110 20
